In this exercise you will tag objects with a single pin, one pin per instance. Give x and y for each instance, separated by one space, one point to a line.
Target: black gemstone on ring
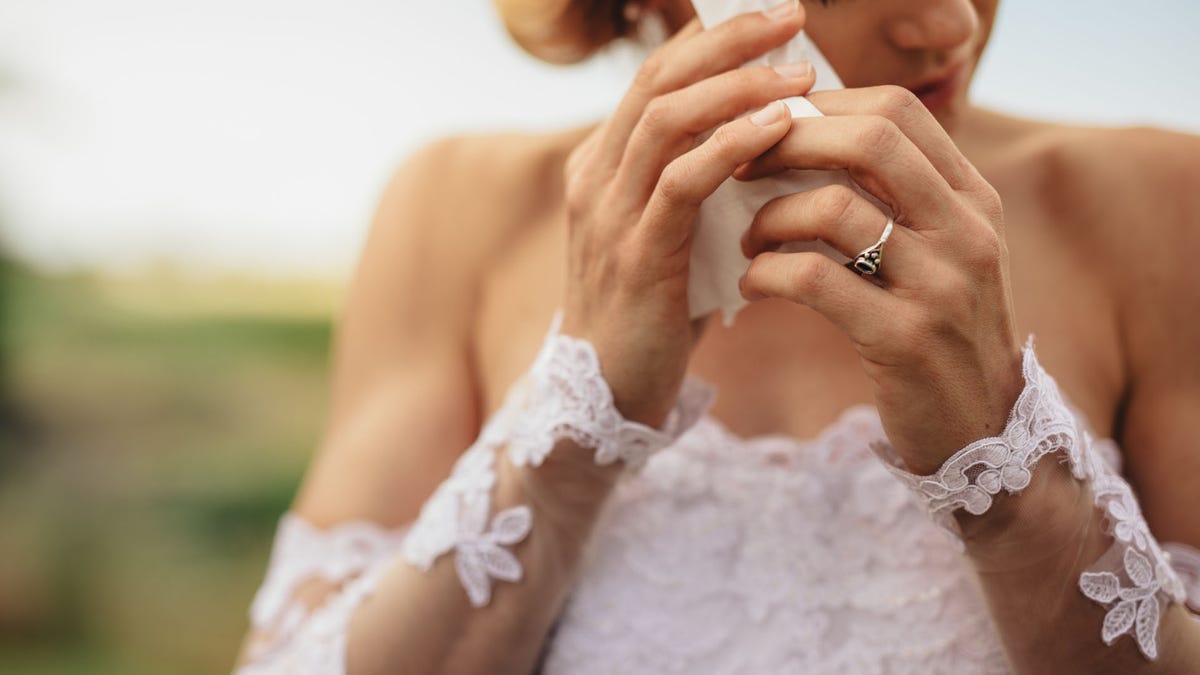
868 263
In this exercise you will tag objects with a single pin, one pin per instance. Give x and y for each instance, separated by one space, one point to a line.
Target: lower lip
942 94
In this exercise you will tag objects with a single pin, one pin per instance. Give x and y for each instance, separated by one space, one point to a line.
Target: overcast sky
255 135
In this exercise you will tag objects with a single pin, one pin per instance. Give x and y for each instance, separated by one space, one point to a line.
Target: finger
904 109
858 308
581 154
842 218
693 54
878 155
690 178
672 122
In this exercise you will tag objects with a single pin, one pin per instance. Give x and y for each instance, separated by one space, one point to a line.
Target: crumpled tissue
716 260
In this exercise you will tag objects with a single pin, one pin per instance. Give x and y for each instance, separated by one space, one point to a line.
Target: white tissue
717 261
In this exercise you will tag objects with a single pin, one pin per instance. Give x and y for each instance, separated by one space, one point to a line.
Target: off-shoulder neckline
850 416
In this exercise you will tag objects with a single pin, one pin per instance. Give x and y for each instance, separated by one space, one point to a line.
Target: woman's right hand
634 187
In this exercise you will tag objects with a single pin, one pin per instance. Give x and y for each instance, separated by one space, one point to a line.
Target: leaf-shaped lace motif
1041 423
566 395
563 395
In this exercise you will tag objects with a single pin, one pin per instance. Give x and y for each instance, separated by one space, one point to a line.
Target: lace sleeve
1133 580
1185 560
562 395
294 636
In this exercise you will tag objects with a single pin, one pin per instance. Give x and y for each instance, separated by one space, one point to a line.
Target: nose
934 24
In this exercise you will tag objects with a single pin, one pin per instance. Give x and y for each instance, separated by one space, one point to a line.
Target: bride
527 465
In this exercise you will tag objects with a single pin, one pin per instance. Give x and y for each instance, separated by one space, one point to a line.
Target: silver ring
868 261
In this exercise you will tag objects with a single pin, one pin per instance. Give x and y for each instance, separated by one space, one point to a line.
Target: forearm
1029 551
517 509
520 507
419 622
1073 577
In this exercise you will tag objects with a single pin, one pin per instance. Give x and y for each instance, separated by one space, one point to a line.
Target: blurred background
184 188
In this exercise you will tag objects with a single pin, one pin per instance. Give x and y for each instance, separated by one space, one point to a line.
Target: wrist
568 481
557 447
1029 523
567 393
1047 516
566 492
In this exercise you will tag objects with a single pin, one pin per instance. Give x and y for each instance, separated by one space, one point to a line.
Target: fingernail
768 114
798 69
748 295
783 10
744 241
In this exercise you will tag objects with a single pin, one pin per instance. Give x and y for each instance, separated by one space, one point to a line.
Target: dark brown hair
563 31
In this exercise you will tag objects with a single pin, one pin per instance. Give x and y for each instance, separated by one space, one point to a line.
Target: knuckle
628 255
989 199
914 327
585 150
808 275
575 195
572 162
656 115
723 142
879 137
750 81
673 182
965 167
958 304
895 101
649 75
835 202
759 232
984 248
953 290
776 208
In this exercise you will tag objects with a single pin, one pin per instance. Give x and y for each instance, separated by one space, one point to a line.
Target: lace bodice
774 555
731 555
723 554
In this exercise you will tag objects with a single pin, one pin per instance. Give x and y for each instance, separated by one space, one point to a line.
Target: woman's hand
633 189
935 327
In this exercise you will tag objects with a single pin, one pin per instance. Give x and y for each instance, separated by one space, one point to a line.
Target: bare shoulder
482 189
452 204
1104 178
1135 194
1141 188
405 394
1129 196
1140 172
1128 201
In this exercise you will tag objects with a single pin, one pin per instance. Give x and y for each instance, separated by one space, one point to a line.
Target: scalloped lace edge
563 395
1133 579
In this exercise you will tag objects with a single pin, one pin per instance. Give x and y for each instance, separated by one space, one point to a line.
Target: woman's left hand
935 327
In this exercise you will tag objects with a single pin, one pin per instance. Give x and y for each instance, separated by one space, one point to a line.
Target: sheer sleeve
293 636
1136 578
1185 560
562 396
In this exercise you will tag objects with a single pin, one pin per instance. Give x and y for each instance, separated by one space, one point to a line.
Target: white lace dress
721 555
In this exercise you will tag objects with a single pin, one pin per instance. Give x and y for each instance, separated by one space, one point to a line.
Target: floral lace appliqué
455 517
298 639
1134 579
563 395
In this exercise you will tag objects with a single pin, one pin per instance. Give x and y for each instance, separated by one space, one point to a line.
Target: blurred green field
154 430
